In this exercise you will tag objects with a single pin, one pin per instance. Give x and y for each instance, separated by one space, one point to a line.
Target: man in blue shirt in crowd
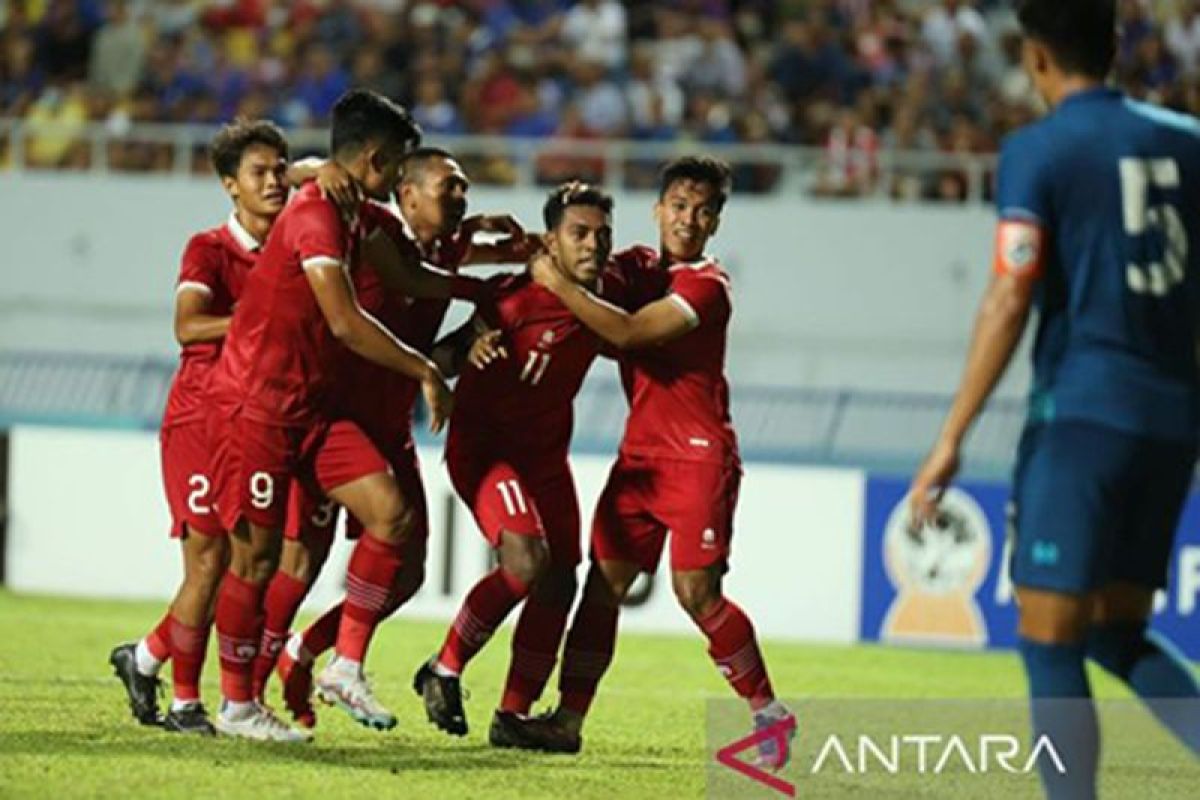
1099 227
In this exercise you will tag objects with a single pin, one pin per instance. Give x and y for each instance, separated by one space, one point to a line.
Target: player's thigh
187 481
1160 481
350 470
557 504
258 464
498 496
1052 617
1071 498
623 529
697 501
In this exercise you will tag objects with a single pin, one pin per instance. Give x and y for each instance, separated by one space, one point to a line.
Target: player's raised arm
657 323
398 263
998 326
471 343
517 246
362 334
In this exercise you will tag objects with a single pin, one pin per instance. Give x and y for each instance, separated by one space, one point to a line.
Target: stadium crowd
855 77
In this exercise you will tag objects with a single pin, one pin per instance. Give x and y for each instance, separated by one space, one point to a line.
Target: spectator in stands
64 42
600 103
851 162
433 111
21 79
948 22
118 52
718 66
597 31
1183 38
56 125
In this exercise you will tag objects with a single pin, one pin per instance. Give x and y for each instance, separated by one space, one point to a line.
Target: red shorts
256 464
647 498
185 456
314 518
506 495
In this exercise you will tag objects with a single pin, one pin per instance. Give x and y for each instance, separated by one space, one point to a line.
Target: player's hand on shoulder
337 186
931 482
438 398
544 271
485 349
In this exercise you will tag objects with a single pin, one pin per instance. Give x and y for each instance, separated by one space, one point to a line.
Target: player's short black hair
231 142
416 162
362 116
701 169
1082 34
573 193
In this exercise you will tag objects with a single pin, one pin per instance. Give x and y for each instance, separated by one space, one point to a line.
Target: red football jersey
216 262
381 399
523 403
280 357
678 395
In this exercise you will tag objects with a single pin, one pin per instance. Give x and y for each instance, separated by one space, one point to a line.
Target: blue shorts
1095 505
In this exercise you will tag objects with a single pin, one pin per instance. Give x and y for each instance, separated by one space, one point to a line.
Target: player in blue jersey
1100 229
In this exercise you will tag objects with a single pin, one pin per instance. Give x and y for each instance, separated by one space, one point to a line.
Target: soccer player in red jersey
507 458
432 198
678 468
275 420
251 160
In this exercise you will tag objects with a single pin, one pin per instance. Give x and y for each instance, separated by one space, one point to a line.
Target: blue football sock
1155 671
1062 709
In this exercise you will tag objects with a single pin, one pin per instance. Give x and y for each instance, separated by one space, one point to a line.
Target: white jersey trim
315 262
241 235
192 286
686 308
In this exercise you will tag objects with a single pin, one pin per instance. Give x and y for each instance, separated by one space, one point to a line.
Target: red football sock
322 634
534 650
587 654
189 645
486 606
373 568
284 596
158 641
239 628
734 649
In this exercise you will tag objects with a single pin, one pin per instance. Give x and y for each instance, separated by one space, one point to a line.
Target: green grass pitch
65 730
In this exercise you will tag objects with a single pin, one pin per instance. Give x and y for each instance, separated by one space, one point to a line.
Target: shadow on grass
394 755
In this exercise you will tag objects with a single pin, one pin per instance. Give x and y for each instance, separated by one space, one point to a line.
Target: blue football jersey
1114 185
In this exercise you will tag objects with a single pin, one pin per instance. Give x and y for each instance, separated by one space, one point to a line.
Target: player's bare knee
696 592
524 557
395 519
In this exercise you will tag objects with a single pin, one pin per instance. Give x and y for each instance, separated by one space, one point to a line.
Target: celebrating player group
309 325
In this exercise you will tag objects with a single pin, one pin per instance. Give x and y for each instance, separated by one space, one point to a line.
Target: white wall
828 294
87 518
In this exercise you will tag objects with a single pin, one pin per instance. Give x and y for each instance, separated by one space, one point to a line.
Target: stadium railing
763 168
884 431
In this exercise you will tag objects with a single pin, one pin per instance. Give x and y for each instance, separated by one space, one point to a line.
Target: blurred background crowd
855 78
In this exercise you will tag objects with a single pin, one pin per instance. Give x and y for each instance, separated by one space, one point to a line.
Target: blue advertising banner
948 584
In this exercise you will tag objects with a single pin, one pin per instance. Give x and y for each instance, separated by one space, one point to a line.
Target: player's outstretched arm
192 324
517 247
998 326
364 335
398 263
657 323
